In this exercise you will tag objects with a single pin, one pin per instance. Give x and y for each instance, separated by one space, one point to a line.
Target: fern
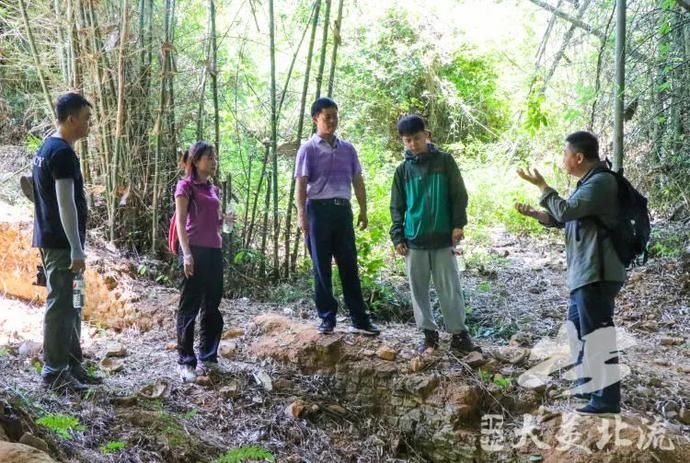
113 447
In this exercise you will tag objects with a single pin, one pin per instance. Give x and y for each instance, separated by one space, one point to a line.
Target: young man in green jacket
428 210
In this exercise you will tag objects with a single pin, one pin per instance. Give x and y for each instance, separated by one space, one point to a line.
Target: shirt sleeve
183 188
62 164
591 198
302 162
356 166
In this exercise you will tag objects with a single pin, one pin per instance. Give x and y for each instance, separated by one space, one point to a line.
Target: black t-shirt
55 160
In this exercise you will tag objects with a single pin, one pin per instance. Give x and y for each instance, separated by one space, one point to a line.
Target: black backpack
630 235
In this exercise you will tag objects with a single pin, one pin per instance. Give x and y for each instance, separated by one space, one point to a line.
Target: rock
422 386
296 409
3 435
416 364
159 388
263 379
670 341
684 416
386 353
281 384
336 409
30 349
227 349
230 391
115 350
127 401
232 333
474 359
650 326
171 346
111 365
662 362
110 282
203 380
35 442
684 369
20 453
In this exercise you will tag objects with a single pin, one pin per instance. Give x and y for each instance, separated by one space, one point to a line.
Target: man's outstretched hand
533 176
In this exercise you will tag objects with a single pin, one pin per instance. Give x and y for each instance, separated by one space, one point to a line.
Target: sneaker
430 341
462 342
207 368
83 376
367 328
187 373
326 327
590 410
63 382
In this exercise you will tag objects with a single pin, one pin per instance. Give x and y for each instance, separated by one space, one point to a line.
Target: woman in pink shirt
199 220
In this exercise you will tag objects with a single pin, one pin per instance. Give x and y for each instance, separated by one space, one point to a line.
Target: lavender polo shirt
203 216
329 169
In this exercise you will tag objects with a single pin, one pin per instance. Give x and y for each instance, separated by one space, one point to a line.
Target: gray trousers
439 264
61 322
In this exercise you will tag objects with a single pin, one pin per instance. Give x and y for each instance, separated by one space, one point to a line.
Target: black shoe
590 410
367 328
430 341
462 342
63 382
83 376
326 327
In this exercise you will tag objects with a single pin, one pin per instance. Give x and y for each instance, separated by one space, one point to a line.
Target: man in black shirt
60 232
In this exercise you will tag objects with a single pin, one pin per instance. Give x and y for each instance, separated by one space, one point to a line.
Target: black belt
332 201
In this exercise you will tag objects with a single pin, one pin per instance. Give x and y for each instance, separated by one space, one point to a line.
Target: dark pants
332 235
202 291
591 309
62 322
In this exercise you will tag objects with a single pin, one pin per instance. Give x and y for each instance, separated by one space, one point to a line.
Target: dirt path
516 293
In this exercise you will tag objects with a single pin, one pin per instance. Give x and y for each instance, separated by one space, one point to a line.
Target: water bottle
460 257
228 224
78 290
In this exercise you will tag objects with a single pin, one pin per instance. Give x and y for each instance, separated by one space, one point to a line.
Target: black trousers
201 292
332 235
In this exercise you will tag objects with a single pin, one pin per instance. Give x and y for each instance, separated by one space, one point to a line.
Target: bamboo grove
124 56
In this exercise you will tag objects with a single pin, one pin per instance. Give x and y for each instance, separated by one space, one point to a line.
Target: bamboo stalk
37 61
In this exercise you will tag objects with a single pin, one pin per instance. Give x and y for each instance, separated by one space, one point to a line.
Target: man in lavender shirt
326 170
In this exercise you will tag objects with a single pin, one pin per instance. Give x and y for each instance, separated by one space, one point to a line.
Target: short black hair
585 143
70 104
411 124
321 104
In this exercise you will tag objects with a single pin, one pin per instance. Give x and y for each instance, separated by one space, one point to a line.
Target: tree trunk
300 128
336 43
119 124
619 88
324 47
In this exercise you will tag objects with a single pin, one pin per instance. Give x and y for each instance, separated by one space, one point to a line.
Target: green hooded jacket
428 200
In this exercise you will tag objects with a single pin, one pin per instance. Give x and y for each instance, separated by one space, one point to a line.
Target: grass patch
246 454
113 447
62 425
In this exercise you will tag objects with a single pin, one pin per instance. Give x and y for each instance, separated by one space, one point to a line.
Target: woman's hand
188 265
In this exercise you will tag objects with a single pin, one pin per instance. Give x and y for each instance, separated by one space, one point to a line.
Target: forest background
500 83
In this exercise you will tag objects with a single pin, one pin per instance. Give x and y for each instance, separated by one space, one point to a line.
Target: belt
332 201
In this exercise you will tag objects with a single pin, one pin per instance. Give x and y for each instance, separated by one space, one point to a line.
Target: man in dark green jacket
428 210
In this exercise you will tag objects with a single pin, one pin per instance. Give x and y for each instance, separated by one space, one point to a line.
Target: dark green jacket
428 200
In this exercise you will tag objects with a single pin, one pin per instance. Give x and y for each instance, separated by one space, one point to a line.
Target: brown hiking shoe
63 382
430 341
462 342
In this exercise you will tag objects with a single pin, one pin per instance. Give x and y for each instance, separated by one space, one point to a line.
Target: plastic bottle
460 257
78 290
228 224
